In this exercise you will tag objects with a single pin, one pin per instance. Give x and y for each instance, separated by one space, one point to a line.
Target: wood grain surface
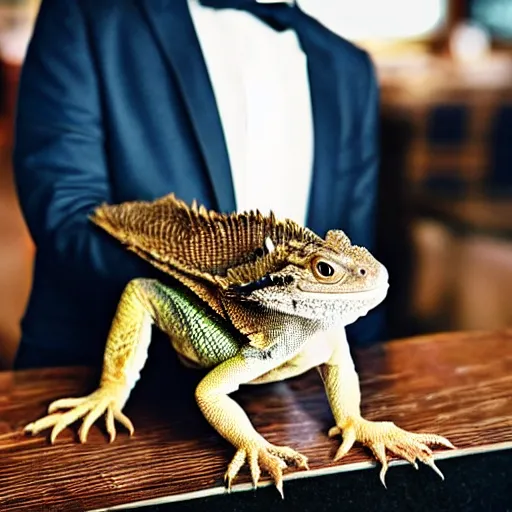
458 385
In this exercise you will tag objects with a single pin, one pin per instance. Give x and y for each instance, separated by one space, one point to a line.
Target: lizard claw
273 459
382 436
90 408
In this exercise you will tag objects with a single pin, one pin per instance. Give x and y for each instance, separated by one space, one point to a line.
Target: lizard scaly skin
256 300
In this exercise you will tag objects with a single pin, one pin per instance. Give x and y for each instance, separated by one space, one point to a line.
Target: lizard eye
324 269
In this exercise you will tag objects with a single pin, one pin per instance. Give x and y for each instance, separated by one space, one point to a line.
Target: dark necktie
279 15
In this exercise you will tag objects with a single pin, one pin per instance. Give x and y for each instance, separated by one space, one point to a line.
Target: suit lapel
172 26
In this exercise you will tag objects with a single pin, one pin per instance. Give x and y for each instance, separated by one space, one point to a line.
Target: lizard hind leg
125 356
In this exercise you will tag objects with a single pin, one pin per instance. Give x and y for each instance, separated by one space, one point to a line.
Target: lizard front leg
125 354
342 387
231 422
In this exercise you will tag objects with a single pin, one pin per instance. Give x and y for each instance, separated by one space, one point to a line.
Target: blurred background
445 208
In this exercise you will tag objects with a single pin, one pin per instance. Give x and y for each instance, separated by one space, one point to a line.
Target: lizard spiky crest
218 248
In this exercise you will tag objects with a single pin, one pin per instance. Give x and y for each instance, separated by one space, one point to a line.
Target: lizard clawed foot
91 407
271 458
382 435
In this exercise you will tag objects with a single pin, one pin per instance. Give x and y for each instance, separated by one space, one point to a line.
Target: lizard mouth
376 291
352 295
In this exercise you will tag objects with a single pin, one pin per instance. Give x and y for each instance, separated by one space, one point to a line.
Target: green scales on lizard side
261 300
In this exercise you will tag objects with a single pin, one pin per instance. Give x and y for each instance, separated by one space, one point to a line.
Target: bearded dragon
257 300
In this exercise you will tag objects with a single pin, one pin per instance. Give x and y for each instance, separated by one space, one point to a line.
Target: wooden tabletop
458 385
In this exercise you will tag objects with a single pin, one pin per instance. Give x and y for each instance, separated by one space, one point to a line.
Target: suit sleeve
60 162
364 200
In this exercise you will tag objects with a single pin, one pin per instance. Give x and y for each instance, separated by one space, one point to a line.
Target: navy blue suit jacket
115 104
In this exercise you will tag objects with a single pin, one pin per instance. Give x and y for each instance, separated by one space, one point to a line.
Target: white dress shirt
260 81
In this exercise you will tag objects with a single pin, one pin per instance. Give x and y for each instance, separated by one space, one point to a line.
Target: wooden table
458 385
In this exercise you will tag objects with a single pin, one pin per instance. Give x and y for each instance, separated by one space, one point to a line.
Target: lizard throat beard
330 309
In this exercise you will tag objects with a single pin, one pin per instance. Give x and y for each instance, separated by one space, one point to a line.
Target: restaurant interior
444 224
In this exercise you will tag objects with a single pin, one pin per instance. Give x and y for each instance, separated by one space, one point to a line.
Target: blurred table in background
458 385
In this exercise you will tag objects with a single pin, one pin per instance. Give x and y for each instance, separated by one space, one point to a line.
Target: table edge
343 468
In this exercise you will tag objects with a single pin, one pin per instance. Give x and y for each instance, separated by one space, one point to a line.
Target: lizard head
329 280
251 257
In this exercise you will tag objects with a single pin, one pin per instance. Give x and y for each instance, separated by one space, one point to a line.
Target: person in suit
239 104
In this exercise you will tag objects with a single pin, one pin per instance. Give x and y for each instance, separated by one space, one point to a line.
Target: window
379 19
493 15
